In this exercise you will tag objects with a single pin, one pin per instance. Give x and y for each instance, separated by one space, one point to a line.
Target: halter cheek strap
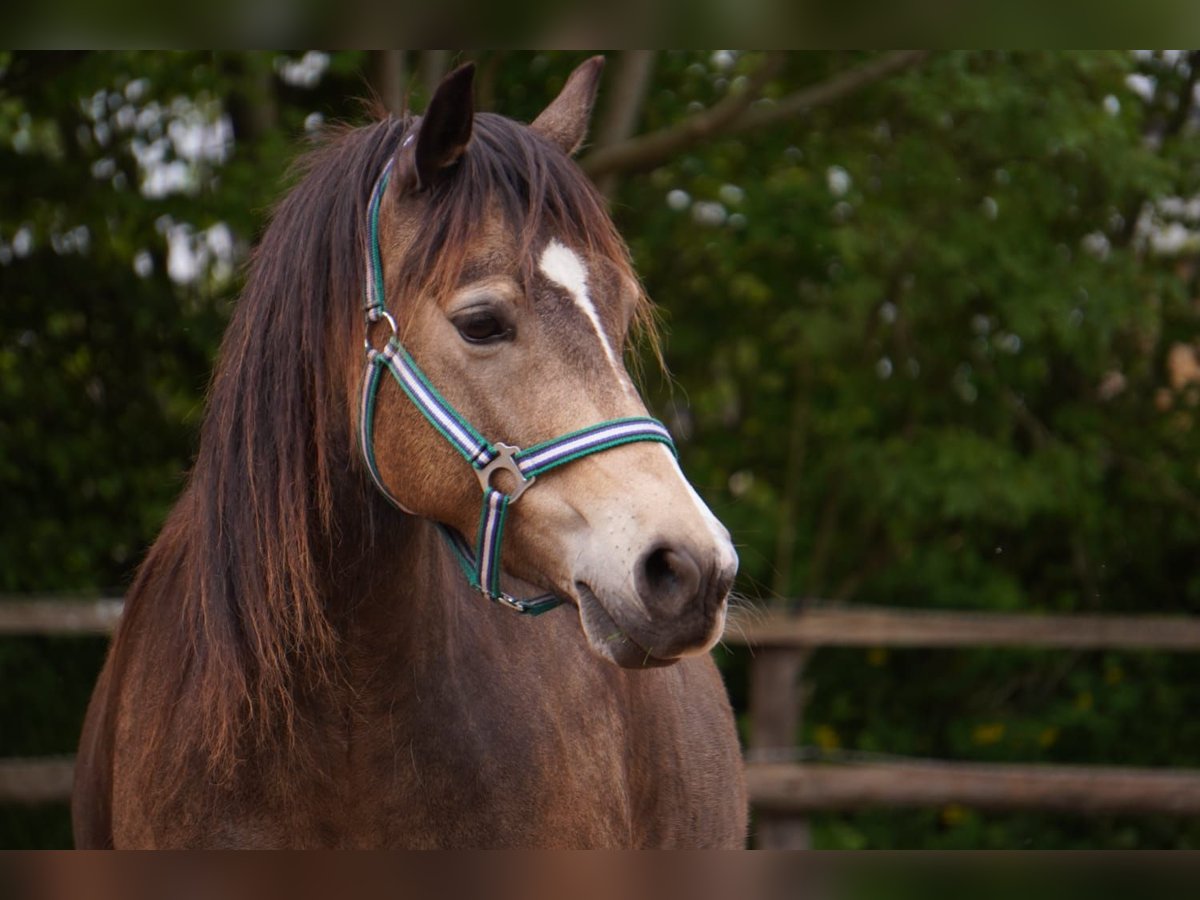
481 565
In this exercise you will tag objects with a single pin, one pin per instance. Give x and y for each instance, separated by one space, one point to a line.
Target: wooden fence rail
805 788
34 781
58 616
818 627
878 627
801 788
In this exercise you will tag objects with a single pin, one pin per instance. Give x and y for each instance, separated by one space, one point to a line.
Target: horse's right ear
443 133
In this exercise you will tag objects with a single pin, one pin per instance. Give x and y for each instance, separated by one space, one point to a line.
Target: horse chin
608 639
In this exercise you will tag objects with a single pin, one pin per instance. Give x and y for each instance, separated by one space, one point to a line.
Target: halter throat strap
481 564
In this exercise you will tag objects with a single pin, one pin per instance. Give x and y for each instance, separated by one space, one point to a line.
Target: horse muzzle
673 604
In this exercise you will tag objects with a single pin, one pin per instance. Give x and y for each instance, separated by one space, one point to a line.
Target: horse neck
393 589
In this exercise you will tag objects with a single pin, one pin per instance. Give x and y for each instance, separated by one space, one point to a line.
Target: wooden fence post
776 701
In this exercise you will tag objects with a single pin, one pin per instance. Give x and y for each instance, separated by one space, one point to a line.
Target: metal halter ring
374 316
504 460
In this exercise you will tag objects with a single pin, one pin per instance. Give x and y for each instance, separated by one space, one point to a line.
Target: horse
429 347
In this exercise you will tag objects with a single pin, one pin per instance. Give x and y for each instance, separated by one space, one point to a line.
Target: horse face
528 346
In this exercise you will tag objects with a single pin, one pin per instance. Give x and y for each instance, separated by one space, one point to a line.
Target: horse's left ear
444 132
565 120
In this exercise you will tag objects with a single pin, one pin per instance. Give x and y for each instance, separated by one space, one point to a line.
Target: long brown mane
277 500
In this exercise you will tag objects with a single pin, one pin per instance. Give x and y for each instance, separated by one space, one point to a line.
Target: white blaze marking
562 266
719 532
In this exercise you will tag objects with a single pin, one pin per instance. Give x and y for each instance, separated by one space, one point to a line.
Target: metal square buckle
505 460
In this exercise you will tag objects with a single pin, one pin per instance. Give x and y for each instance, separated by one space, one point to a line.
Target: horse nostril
668 578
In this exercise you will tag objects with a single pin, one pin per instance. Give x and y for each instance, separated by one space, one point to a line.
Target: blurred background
933 333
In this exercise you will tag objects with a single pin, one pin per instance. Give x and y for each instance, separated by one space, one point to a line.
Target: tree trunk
387 75
623 107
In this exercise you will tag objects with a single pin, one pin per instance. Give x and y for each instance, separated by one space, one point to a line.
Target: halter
481 565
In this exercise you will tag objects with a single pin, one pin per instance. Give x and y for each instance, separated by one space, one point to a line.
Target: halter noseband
482 565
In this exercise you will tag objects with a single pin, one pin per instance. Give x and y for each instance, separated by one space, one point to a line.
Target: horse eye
483 328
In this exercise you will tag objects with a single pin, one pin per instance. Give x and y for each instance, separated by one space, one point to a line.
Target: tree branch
823 540
1176 119
1183 98
649 150
735 113
831 91
785 535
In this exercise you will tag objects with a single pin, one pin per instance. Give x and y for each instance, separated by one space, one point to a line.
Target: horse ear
565 120
444 132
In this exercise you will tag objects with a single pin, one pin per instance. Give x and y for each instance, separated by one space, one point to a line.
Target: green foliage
924 361
924 352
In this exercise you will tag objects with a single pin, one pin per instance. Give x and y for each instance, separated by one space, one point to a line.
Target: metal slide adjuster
505 461
508 601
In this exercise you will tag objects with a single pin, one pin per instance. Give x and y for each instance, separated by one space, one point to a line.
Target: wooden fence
784 792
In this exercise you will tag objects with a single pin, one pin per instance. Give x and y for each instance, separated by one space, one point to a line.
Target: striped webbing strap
481 565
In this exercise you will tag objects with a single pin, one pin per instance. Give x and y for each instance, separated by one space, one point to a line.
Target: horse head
504 280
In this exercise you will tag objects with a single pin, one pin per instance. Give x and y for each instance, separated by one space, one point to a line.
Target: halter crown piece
481 565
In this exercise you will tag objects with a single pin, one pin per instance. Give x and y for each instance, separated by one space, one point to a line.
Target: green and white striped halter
481 565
